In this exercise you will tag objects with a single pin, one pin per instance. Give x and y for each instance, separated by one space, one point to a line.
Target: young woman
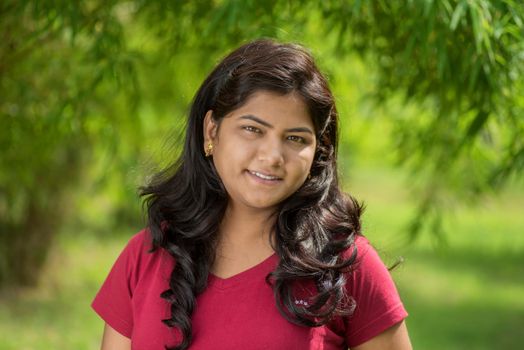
250 242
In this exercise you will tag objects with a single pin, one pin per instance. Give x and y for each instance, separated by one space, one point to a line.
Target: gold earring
209 149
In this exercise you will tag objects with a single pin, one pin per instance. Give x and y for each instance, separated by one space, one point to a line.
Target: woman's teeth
265 177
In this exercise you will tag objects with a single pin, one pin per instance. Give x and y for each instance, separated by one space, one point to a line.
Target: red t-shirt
239 312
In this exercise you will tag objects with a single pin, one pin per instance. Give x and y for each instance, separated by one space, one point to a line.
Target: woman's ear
210 128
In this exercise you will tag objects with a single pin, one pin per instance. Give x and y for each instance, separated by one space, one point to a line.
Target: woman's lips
264 178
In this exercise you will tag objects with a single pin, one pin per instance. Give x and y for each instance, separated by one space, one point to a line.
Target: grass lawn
469 295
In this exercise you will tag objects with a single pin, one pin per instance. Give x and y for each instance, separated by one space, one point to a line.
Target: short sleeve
377 303
113 302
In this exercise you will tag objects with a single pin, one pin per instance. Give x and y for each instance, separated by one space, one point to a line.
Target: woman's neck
244 229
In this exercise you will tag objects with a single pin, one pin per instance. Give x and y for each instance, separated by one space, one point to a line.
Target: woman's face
263 150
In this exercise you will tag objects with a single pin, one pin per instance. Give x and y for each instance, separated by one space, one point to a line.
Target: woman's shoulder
139 252
367 269
136 270
139 261
376 301
358 249
139 244
364 248
362 242
140 240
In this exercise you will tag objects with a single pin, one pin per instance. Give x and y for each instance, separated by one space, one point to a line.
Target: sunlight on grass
57 315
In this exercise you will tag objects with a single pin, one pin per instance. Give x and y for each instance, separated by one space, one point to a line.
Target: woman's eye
251 129
297 139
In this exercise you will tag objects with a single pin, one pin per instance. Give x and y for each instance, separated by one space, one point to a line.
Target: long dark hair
313 227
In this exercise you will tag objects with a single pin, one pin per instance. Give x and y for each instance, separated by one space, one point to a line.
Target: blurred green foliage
462 64
87 87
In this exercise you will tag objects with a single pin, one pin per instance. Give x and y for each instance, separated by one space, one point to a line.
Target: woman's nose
272 153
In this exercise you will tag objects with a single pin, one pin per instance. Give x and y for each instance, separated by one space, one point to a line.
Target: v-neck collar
255 272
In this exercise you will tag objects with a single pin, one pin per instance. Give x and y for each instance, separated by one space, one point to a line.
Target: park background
94 94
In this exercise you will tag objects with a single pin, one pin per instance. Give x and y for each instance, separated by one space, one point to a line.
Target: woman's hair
313 227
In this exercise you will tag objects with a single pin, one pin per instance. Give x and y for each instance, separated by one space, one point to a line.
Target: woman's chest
230 315
247 318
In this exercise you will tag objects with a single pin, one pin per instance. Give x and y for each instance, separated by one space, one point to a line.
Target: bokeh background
93 100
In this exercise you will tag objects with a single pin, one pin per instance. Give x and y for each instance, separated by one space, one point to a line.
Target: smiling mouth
264 176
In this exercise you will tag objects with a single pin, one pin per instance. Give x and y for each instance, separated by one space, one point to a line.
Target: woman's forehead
280 110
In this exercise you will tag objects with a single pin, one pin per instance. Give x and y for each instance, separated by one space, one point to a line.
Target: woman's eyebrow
263 122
